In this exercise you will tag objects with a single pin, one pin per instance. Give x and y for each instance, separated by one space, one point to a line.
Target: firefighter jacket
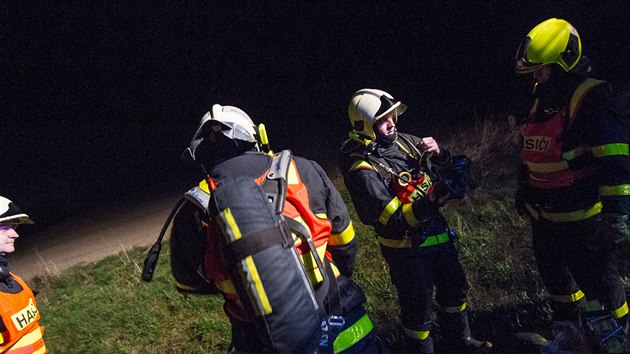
19 319
380 199
575 152
327 219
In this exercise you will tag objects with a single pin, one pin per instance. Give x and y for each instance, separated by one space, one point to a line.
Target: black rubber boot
411 345
456 334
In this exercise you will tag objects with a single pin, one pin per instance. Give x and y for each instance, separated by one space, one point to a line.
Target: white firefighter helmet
230 121
369 105
10 214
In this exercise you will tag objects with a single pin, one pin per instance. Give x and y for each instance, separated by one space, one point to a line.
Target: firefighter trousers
416 272
574 260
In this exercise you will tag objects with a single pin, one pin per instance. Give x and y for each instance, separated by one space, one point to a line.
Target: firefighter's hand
429 145
439 196
614 227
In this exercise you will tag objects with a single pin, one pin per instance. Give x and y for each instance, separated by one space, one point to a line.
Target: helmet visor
389 105
523 65
11 214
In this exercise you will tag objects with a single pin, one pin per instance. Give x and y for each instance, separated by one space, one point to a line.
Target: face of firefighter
7 238
385 126
541 75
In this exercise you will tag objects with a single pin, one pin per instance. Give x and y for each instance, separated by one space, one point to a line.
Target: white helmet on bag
369 105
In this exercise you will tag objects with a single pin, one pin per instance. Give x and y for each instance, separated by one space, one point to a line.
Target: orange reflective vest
542 150
21 318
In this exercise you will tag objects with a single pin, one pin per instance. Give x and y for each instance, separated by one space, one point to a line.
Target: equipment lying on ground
599 333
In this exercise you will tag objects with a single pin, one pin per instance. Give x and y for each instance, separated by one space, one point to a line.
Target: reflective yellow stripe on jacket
607 191
342 238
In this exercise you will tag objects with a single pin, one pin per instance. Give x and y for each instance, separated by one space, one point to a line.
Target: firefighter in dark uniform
381 168
575 177
20 331
227 143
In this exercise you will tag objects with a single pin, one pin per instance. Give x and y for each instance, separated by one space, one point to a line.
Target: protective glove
614 227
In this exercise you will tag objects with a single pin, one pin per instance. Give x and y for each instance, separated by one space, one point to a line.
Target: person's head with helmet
10 217
224 133
552 45
373 115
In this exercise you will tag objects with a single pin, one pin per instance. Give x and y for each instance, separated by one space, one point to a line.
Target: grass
105 307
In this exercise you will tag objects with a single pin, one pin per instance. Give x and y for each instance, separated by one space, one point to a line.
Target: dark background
100 98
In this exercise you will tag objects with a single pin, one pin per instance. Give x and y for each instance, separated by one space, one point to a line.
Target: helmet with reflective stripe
369 105
11 214
554 41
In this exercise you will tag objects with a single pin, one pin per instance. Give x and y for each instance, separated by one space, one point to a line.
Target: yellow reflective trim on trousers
610 150
565 217
421 335
247 269
452 309
342 238
575 297
353 334
607 191
389 210
407 211
572 154
406 242
547 167
621 311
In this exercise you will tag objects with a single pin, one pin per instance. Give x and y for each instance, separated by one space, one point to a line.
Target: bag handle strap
275 187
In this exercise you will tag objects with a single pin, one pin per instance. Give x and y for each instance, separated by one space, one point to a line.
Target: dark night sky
100 98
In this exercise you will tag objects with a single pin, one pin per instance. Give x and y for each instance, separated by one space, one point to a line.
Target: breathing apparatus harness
197 197
369 146
455 178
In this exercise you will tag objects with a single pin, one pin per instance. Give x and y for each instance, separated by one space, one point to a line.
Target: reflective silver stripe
547 167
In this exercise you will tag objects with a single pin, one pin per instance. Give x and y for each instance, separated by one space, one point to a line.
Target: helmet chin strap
386 140
5 276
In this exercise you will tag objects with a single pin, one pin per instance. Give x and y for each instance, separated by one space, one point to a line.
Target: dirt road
91 236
